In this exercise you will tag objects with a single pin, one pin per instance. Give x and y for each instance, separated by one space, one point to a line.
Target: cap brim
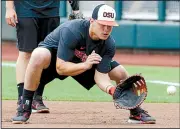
108 23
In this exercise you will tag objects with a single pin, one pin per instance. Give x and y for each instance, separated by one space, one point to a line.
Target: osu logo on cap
108 14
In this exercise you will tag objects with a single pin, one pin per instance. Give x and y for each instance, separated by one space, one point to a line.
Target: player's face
101 31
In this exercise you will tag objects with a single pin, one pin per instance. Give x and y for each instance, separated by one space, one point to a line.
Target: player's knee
124 73
119 73
41 57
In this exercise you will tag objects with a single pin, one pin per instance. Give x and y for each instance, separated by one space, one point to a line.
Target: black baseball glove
76 16
130 93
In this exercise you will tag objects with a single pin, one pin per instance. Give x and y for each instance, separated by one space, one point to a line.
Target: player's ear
91 20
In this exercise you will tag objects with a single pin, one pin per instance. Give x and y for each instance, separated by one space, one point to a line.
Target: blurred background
143 24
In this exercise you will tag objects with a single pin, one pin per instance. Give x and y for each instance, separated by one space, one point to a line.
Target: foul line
163 82
8 64
150 81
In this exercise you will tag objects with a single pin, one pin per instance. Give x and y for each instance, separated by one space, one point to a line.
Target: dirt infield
91 115
95 114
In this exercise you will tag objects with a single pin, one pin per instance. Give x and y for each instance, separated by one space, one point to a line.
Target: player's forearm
74 5
103 81
70 69
10 4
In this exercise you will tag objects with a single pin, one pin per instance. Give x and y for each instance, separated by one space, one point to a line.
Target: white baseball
171 90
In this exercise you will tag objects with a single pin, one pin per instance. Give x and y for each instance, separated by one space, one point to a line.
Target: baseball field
73 106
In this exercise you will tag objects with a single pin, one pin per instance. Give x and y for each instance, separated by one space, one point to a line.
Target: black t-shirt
37 8
73 43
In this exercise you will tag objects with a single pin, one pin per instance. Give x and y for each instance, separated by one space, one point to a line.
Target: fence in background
143 24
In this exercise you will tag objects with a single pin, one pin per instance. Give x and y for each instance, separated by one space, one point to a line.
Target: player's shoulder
78 27
77 24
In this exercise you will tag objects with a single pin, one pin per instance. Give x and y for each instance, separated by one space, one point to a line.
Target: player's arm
69 68
101 76
103 81
74 5
9 4
11 16
76 14
72 69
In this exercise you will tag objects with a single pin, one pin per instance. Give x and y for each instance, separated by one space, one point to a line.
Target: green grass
70 90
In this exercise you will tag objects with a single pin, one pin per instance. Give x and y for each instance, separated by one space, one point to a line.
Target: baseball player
34 20
84 50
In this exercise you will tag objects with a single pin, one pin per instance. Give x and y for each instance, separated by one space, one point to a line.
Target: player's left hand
131 92
76 15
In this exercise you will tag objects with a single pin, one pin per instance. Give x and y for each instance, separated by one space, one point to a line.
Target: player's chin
104 37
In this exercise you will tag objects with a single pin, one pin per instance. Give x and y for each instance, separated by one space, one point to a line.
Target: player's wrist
9 4
85 66
110 89
10 9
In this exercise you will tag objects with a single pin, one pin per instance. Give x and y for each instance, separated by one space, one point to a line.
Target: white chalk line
8 64
149 81
163 82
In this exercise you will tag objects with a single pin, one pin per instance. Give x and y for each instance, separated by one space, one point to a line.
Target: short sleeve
67 44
